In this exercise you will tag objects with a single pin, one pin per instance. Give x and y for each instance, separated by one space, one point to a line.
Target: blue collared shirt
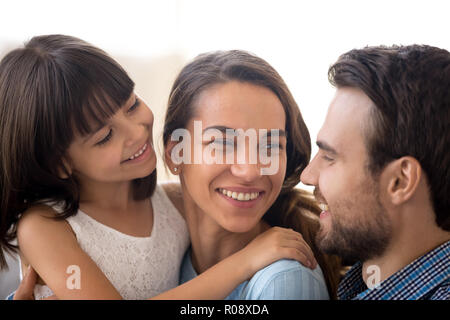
426 278
282 280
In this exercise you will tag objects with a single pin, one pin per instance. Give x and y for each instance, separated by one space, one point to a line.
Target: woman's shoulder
287 279
284 266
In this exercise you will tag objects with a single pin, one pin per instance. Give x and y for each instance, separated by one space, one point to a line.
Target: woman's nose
247 172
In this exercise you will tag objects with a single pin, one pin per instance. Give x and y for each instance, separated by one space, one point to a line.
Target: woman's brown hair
293 208
51 89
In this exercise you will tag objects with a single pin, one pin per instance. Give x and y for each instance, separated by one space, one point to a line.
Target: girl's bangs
101 103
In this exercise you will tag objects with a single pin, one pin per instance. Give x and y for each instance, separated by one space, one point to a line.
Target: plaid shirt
426 278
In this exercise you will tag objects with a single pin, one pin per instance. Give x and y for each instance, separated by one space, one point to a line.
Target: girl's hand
275 244
26 286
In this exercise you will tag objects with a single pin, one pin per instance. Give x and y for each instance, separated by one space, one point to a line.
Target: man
382 173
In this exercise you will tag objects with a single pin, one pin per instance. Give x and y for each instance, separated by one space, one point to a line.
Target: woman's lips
241 197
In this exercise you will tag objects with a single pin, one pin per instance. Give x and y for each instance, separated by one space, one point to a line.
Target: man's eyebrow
326 147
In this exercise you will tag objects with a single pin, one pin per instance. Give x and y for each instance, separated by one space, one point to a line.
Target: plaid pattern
426 278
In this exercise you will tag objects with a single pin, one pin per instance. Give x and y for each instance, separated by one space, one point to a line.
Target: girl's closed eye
105 139
135 105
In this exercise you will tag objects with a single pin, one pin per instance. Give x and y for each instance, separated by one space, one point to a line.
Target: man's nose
309 175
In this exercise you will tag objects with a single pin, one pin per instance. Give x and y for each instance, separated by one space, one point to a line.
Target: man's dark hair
410 87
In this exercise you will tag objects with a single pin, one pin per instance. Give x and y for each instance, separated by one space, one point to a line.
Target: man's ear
173 167
65 171
402 178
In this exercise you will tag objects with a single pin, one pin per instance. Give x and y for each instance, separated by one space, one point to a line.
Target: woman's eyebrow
269 133
222 129
275 133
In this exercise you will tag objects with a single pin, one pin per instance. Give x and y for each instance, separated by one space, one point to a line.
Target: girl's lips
141 157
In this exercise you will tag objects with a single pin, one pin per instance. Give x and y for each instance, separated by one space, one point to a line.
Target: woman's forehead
240 105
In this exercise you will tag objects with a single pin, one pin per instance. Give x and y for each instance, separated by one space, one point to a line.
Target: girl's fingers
302 247
26 286
295 254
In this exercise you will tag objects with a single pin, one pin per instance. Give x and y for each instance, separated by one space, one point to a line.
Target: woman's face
235 195
120 151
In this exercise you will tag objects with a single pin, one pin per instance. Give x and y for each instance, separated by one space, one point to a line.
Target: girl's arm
221 279
50 247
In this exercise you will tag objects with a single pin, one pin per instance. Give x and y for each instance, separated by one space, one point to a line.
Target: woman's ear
173 167
64 171
403 176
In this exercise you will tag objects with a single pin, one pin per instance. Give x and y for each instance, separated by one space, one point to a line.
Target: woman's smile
241 197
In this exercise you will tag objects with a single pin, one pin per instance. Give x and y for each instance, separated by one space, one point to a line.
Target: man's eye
135 105
105 139
326 158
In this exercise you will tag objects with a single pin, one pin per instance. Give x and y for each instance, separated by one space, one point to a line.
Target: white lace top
138 267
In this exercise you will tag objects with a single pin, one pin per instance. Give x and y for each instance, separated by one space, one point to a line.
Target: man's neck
401 252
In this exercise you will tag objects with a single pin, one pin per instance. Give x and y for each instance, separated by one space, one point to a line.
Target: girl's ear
65 171
173 167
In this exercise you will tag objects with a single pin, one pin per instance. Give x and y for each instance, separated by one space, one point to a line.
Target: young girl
228 204
78 184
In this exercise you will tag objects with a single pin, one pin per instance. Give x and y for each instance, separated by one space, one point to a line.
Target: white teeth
323 206
139 152
240 196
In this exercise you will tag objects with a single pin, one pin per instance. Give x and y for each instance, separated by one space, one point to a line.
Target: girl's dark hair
52 88
293 207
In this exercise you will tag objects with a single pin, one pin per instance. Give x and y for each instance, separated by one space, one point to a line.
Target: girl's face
120 151
235 196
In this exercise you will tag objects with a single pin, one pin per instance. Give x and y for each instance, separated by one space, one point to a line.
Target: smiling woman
228 204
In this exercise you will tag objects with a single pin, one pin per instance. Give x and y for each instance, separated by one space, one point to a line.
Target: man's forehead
346 119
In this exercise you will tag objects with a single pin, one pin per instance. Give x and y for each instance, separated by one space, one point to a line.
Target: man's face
354 224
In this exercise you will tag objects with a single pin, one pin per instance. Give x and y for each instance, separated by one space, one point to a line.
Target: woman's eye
221 142
273 146
105 139
135 105
326 158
